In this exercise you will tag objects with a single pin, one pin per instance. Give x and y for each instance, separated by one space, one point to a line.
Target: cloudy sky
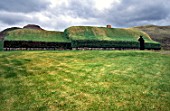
60 14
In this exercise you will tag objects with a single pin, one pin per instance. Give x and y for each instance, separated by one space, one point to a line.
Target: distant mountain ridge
158 33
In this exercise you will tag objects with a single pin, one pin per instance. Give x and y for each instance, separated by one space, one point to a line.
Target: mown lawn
84 81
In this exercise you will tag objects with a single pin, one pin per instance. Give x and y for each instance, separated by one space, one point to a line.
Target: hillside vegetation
158 33
84 81
35 35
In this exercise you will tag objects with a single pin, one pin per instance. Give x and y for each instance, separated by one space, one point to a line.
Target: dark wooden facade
31 45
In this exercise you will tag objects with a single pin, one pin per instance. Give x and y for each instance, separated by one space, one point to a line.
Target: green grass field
84 81
36 35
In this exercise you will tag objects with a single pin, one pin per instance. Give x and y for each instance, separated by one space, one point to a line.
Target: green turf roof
36 35
107 34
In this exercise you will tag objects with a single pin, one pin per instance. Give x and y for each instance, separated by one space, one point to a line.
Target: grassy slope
36 35
158 33
101 33
85 80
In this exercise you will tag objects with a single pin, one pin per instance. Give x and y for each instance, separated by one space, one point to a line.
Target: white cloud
102 5
55 3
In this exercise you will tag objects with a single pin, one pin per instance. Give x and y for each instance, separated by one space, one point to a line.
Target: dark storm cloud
12 18
82 9
133 12
22 5
126 13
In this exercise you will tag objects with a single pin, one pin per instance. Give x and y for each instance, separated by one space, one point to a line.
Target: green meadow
85 81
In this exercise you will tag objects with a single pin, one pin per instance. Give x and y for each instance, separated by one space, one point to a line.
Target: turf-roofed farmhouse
33 37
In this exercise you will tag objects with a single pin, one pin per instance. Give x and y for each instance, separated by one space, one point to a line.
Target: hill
84 81
109 37
33 26
158 33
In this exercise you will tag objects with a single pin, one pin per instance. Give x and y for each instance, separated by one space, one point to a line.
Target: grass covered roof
36 35
106 34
